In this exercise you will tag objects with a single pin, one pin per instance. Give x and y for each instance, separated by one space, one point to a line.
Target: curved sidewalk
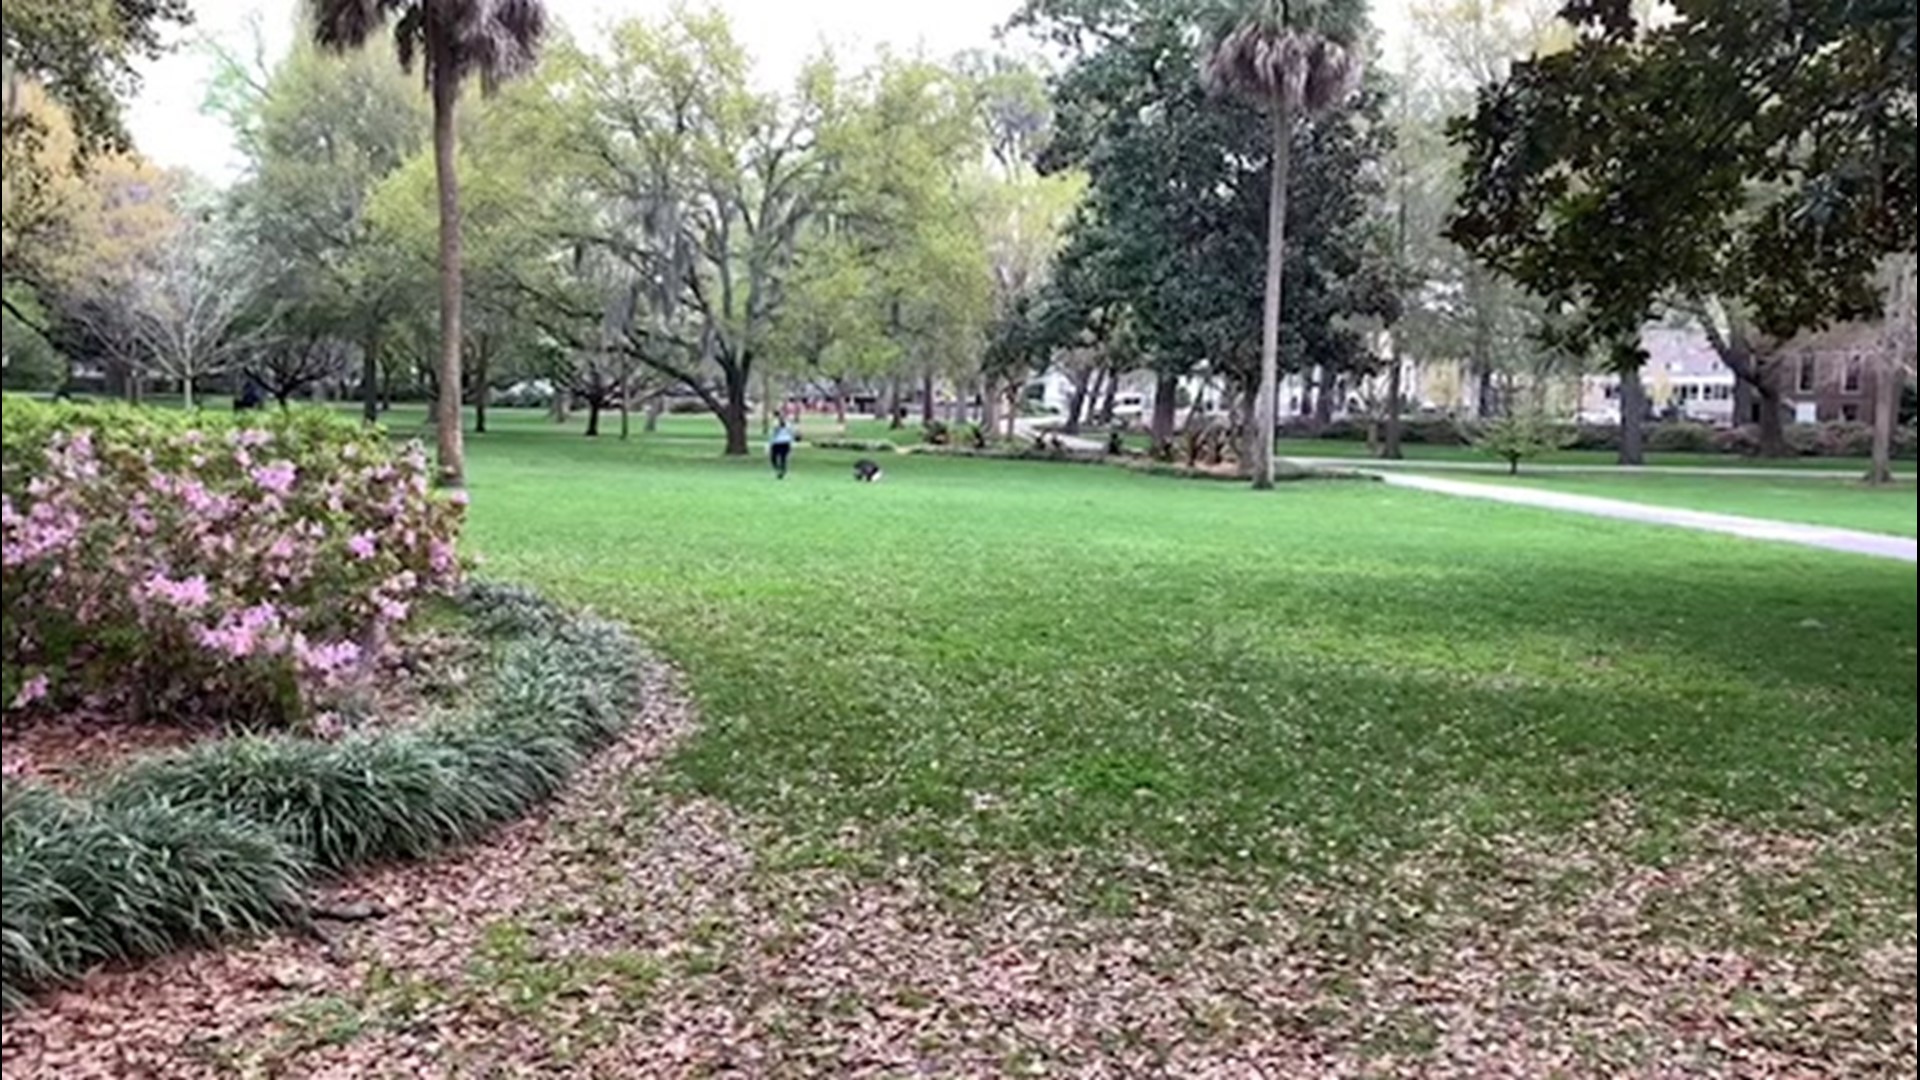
1449 465
1816 536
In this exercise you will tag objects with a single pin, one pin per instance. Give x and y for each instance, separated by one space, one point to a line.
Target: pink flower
459 497
282 549
196 496
189 595
328 658
392 610
440 556
277 478
362 545
250 437
30 691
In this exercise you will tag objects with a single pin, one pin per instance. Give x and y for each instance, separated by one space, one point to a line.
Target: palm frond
342 25
498 39
1270 64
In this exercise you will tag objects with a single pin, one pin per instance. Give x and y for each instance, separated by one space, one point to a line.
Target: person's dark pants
779 452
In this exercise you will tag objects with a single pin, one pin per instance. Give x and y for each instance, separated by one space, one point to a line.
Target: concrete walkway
1027 428
1608 468
1431 466
1816 536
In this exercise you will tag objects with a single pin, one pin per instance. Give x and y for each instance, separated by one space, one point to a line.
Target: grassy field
1006 657
1013 769
1814 500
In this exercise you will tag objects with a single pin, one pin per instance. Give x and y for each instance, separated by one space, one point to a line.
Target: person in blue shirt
780 447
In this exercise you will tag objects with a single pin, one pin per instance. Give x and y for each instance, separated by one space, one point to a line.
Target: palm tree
1289 71
495 39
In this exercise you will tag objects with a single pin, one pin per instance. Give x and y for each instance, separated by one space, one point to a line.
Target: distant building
1824 376
1682 373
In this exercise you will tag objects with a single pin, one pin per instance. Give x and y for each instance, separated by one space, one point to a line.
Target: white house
1682 371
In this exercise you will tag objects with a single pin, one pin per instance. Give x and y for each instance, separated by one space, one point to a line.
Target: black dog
866 471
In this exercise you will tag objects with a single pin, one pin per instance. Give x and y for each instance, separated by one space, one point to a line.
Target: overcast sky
169 125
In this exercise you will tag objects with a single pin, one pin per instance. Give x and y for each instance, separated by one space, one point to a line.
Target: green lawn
993 659
1814 500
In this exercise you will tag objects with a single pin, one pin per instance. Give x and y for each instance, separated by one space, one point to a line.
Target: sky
170 126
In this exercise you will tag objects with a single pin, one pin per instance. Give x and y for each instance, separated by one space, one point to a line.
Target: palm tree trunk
446 98
1266 403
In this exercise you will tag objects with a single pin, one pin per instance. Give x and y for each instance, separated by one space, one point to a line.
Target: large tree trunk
1482 363
370 378
1773 410
1166 398
733 417
989 407
1013 406
1743 402
895 419
840 403
1326 395
482 356
445 76
1390 447
926 399
1267 400
766 405
1886 404
1633 414
593 418
186 393
1076 402
1108 399
655 405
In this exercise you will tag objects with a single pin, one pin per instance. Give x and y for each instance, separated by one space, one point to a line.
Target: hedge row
223 839
1830 439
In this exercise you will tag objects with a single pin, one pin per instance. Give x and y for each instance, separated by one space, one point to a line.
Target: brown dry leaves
633 933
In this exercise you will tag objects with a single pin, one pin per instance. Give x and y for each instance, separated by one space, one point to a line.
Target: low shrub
1843 439
1681 436
90 882
212 565
936 433
871 446
223 839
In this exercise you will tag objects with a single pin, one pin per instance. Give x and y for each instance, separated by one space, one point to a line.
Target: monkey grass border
226 839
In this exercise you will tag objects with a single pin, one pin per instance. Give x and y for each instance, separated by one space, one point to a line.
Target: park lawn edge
225 839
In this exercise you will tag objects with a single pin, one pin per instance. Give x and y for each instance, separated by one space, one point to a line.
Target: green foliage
1521 436
86 54
30 360
1682 436
89 881
319 437
1174 225
1783 182
221 839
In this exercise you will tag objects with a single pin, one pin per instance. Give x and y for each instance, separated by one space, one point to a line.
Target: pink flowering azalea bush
206 566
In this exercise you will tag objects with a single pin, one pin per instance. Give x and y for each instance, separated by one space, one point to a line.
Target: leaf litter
635 931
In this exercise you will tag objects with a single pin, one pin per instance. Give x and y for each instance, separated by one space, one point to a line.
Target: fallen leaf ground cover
1006 768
